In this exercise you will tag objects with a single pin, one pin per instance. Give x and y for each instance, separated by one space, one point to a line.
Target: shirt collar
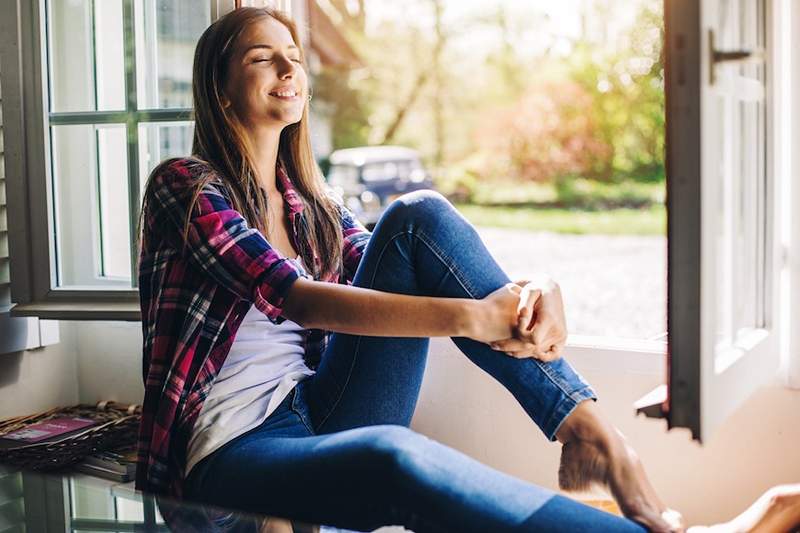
286 187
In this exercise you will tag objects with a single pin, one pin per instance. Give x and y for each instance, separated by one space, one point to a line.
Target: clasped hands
538 326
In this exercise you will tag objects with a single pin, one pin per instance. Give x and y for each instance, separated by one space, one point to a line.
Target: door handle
729 56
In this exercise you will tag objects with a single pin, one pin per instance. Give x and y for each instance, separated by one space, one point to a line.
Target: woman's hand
541 329
497 314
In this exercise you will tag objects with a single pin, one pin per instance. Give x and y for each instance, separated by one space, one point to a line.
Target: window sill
79 310
617 354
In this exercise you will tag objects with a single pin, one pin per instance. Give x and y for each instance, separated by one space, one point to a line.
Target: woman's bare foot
777 510
595 452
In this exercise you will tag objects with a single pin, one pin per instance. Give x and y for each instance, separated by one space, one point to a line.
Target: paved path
611 285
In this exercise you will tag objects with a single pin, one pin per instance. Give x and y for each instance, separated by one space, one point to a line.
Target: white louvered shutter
15 333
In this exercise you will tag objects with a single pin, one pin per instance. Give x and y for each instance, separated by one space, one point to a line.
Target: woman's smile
287 96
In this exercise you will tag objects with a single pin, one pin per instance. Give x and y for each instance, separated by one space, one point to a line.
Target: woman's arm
359 311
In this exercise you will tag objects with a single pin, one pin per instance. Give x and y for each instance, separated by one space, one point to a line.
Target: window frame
791 196
702 393
29 160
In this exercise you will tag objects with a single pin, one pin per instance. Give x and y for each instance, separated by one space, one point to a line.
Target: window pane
90 183
87 66
161 140
90 500
166 33
741 237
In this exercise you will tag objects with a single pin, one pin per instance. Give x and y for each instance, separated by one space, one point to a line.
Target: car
369 178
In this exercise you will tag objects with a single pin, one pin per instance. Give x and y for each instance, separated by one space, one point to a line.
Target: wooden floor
608 506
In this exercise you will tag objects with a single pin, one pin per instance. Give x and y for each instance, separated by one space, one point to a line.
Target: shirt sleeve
355 239
219 240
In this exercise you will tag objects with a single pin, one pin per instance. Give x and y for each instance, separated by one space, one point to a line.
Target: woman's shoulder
188 167
184 174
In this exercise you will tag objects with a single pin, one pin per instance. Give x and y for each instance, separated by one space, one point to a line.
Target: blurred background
542 121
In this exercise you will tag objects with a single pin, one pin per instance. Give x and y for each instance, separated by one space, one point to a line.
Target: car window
380 171
342 174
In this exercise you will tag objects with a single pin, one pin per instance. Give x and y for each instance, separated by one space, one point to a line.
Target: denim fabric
338 450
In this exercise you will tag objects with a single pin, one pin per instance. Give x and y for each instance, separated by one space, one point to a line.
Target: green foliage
583 127
600 117
349 109
627 87
593 195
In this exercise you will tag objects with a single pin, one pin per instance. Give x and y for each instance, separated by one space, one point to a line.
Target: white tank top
264 364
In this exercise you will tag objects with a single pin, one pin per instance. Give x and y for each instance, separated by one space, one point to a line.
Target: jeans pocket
300 407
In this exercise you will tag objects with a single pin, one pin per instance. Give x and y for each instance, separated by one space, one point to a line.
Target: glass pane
161 140
130 510
90 183
741 268
166 34
90 499
86 55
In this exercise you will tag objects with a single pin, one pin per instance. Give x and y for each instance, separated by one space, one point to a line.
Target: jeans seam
560 413
545 367
451 266
295 398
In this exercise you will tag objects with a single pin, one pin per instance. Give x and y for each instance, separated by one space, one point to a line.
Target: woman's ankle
586 424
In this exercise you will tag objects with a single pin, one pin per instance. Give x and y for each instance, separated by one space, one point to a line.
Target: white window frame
790 347
27 122
701 392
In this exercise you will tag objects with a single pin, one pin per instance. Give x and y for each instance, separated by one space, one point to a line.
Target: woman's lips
285 98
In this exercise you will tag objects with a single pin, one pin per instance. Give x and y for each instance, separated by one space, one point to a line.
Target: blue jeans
338 450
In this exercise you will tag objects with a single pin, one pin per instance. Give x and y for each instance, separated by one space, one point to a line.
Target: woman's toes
582 465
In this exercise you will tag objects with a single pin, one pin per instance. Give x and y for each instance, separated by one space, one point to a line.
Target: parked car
370 177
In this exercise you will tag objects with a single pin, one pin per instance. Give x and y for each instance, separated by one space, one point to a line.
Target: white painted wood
791 20
220 7
16 334
739 346
48 332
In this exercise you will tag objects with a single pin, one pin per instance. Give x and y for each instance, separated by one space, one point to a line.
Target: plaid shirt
193 303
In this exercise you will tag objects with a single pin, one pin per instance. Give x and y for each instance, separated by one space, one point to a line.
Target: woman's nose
286 68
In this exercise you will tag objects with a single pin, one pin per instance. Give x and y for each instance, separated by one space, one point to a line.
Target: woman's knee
397 451
417 206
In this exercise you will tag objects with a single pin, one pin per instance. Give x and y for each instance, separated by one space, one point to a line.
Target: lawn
647 221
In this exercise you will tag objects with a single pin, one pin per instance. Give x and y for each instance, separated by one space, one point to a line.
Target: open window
724 165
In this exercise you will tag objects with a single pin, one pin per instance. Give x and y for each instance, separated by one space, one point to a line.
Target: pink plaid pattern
193 300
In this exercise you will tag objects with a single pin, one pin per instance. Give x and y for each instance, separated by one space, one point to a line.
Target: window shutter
15 333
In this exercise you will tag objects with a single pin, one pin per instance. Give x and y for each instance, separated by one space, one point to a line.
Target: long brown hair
219 141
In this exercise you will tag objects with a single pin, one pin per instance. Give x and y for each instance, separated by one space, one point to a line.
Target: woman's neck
264 149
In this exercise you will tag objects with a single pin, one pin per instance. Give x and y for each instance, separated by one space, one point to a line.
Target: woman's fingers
519 349
527 301
511 345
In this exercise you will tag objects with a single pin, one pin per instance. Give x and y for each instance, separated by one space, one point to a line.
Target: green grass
649 221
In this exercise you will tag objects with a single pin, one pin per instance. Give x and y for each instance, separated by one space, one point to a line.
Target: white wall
36 380
462 407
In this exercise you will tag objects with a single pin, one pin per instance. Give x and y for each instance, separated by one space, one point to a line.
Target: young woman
248 265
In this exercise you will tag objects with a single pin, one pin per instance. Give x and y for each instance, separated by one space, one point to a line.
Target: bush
587 194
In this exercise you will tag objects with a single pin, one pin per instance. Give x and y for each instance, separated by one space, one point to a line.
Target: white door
722 208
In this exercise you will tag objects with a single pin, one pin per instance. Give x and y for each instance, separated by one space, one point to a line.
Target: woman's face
266 83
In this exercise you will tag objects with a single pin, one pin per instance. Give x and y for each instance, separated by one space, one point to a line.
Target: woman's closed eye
266 59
